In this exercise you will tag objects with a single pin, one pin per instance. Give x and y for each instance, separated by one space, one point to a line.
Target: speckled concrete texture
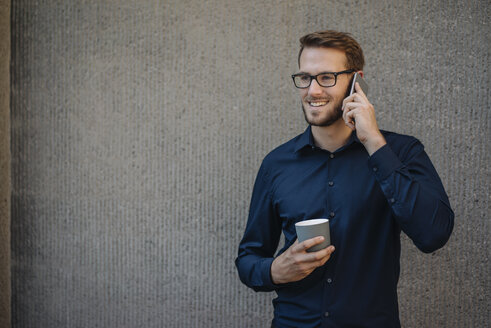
138 128
4 163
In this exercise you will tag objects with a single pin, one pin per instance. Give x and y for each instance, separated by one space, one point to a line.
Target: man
371 184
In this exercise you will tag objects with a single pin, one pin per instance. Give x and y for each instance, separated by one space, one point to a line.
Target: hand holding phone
364 86
359 115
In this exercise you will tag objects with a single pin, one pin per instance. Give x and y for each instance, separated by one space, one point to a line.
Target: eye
326 78
304 78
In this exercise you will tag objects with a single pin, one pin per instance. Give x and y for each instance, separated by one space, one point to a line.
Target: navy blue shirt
368 200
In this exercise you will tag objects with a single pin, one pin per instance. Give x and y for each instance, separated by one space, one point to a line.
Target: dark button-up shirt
368 200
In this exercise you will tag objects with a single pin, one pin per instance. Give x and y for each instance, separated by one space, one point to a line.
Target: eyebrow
302 72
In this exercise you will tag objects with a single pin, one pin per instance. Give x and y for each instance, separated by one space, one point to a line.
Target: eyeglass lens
324 80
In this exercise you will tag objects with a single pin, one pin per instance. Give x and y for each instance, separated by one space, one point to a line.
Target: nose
315 88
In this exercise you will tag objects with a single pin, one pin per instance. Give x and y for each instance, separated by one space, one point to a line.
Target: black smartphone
357 78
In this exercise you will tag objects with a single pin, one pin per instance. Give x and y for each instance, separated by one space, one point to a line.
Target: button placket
330 183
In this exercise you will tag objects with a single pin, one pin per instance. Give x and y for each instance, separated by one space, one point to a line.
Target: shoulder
394 137
403 145
281 156
282 152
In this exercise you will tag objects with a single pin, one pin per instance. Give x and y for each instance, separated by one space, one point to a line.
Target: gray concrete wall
138 128
4 163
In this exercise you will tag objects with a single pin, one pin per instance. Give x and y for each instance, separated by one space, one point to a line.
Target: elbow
241 271
431 246
436 237
255 275
246 274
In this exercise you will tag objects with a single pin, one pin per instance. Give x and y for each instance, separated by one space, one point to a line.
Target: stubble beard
330 119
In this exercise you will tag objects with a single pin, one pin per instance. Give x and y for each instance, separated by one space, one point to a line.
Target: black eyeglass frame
315 77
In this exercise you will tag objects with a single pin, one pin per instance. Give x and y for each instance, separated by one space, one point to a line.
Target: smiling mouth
317 103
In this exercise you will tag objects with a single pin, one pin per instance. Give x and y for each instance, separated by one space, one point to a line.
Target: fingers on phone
360 91
348 120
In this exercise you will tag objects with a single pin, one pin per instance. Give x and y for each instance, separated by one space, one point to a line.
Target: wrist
374 143
275 279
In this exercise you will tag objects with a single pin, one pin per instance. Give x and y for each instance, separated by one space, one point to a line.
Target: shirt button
332 214
392 200
332 155
329 280
375 169
331 183
326 314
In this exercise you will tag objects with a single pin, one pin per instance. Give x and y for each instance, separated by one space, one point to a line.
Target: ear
360 73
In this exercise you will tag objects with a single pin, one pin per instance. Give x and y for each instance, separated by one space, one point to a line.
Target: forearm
261 237
416 197
423 214
254 272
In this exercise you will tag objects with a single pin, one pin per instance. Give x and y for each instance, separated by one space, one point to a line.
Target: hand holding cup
300 259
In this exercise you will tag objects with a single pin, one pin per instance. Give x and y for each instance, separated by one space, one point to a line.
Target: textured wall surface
4 163
138 128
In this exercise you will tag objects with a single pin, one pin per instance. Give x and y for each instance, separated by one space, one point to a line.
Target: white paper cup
313 228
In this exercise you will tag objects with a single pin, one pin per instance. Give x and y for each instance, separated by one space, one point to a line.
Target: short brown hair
337 40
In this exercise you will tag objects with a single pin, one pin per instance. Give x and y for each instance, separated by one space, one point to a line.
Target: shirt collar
307 140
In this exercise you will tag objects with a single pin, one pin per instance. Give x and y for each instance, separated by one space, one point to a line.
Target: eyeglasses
326 79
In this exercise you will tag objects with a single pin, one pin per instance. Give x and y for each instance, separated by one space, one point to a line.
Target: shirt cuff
266 274
384 162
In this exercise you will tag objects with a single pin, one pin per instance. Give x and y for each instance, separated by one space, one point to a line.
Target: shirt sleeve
415 193
261 237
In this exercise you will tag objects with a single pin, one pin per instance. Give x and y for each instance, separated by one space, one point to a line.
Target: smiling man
370 184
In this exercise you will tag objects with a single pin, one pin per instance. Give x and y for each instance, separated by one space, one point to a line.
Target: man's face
321 105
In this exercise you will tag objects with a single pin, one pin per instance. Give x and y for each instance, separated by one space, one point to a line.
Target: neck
331 137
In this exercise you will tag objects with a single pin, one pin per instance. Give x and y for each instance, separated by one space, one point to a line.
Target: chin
327 120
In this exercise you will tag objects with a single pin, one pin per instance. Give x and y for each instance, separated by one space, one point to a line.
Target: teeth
317 104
